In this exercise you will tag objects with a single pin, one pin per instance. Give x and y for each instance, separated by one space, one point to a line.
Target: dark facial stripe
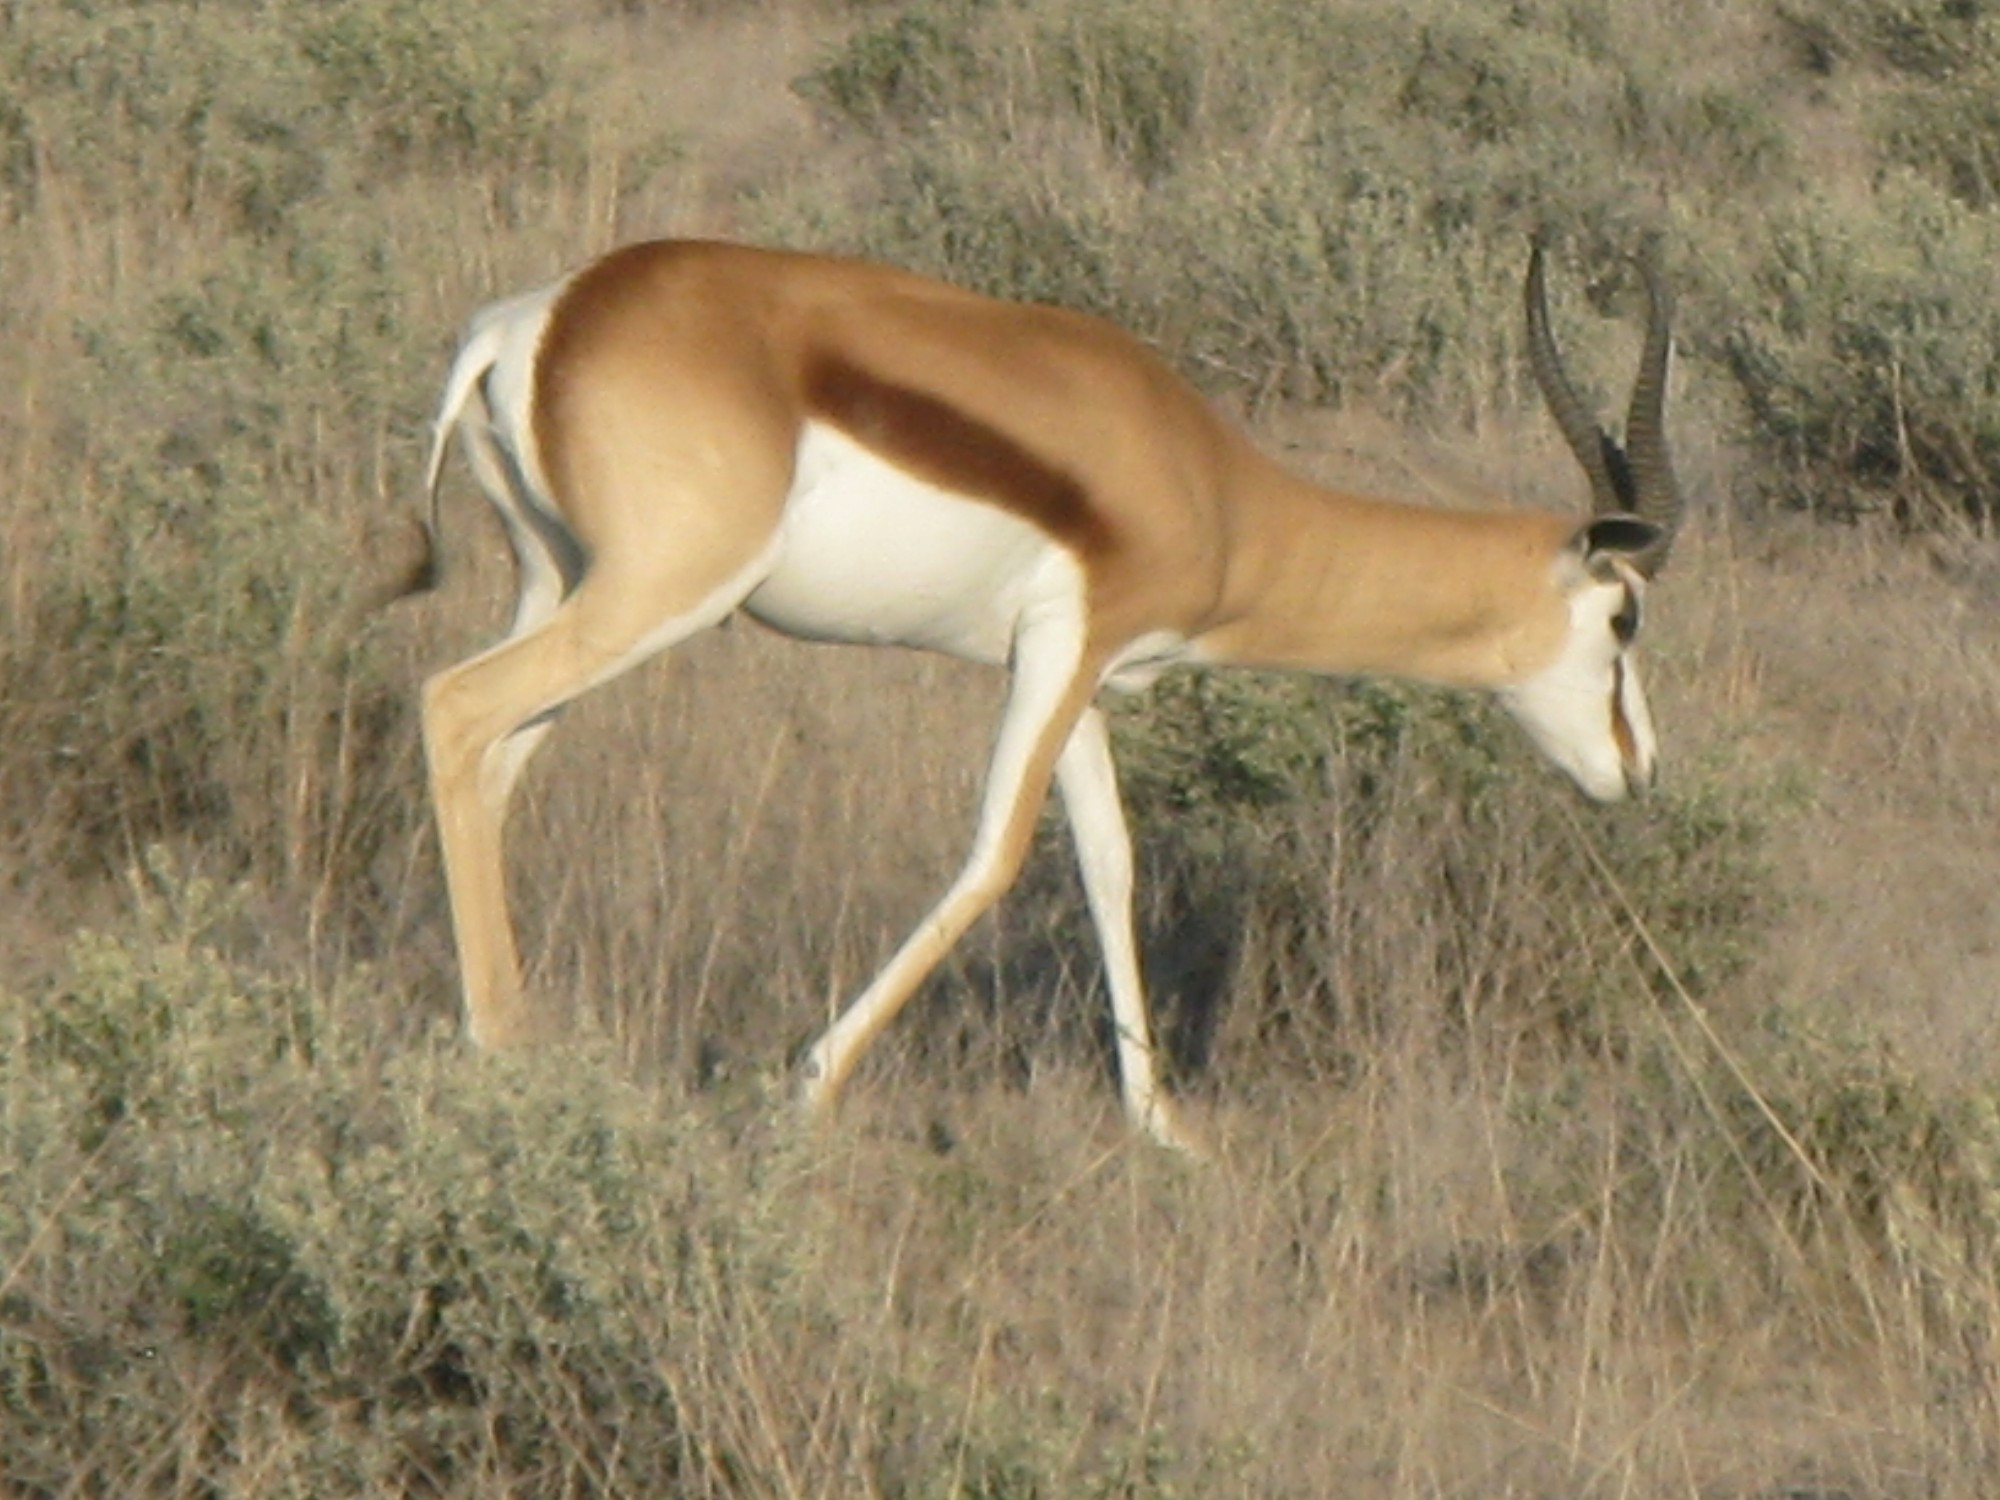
949 447
1621 727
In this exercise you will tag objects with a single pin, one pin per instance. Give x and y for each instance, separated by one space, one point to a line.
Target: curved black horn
1588 441
1656 494
1638 479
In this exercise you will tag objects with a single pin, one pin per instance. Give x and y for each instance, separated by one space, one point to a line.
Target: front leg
1052 685
1089 780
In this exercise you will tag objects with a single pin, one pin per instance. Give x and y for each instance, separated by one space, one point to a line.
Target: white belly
869 554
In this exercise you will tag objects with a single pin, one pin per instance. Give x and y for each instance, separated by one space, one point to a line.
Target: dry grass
1451 1257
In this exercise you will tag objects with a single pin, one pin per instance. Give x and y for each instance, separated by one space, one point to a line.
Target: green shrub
1381 841
98 98
1933 66
987 224
1928 39
1354 288
909 69
1867 346
1832 1153
183 642
410 84
263 108
428 1271
1135 73
1950 132
242 1248
1733 139
225 417
1914 1166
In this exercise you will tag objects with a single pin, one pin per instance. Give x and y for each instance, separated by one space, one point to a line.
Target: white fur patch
869 554
1586 710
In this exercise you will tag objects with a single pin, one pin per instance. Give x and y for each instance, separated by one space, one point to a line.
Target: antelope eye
1625 624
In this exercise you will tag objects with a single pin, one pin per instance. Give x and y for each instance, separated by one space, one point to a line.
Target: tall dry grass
1652 1153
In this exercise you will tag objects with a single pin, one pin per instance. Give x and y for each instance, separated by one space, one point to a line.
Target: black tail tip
404 559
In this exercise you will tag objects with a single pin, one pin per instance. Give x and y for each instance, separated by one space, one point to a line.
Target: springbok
850 452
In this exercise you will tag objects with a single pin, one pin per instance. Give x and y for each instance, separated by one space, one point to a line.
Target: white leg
1089 781
1051 687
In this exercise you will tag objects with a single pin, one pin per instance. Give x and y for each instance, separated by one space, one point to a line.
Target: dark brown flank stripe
944 445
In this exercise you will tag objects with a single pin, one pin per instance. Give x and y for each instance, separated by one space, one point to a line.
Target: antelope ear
1627 539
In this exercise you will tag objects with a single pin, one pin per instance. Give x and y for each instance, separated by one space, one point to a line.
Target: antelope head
1586 709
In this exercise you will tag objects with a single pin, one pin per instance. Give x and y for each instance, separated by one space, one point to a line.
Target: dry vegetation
1558 1152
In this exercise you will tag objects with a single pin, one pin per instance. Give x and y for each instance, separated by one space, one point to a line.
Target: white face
1586 710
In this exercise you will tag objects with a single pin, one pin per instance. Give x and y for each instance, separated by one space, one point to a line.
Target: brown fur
1062 418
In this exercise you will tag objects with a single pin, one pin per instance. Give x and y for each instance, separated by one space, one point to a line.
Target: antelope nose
1641 777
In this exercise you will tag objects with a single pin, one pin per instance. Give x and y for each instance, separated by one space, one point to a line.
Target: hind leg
484 718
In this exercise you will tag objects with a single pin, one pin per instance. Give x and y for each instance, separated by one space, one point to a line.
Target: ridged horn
1637 481
1656 494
